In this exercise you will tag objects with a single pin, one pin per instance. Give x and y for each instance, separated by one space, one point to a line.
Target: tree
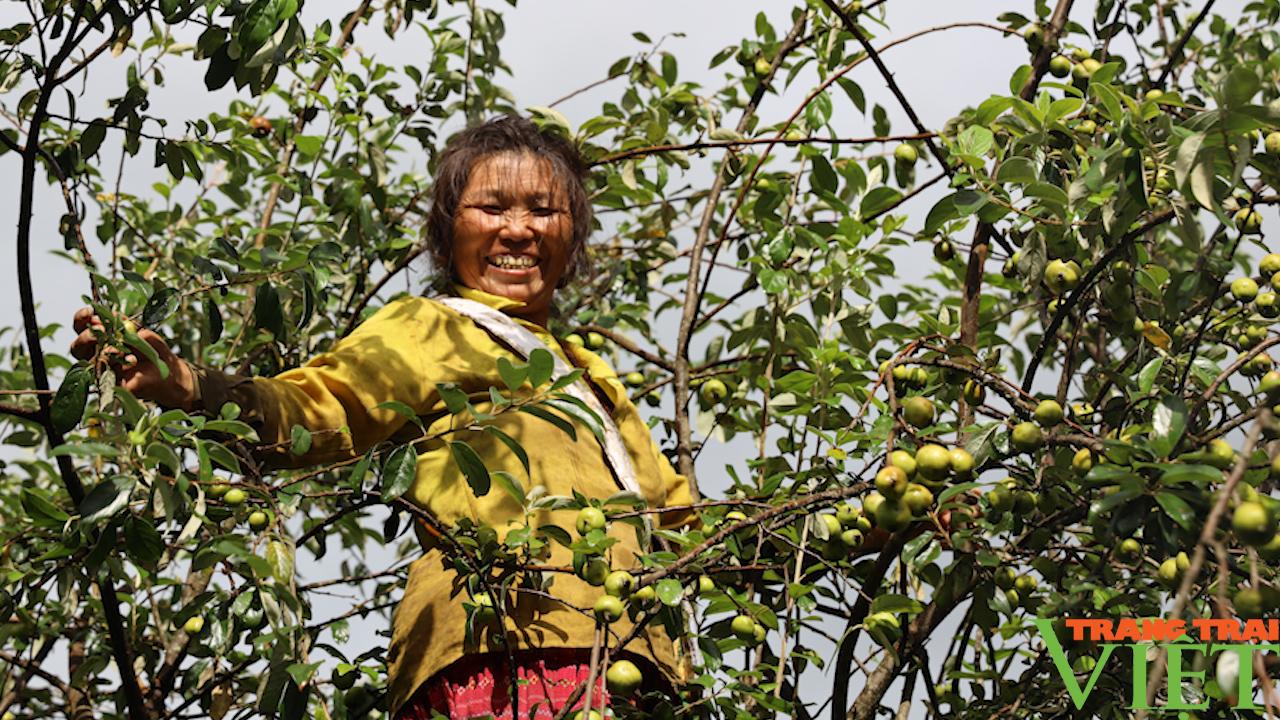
1096 249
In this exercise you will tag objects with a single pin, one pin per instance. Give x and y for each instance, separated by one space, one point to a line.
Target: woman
508 226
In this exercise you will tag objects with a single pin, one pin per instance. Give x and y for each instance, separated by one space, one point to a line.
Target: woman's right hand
134 371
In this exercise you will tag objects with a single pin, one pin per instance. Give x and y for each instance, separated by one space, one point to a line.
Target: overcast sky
554 47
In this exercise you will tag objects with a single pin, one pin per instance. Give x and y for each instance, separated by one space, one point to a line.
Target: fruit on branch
608 608
918 411
1253 524
1034 35
1061 277
1027 437
193 625
1000 498
644 595
832 524
1005 577
484 610
1154 94
706 584
1267 304
744 628
235 497
1088 127
944 250
590 518
592 570
1272 143
762 66
962 462
1060 66
260 126
847 515
890 481
851 539
1082 461
587 715
918 499
619 583
974 392
933 463
1129 549
892 515
623 678
905 461
1220 454
1244 289
635 378
906 154
713 391
1048 413
1270 385
1248 221
218 489
595 340
574 339
258 520
1085 69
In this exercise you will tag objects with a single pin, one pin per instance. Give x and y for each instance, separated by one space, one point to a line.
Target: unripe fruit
235 497
892 515
587 715
974 392
1048 413
1088 127
1244 289
590 518
635 378
962 462
1027 437
1272 143
871 503
623 678
890 481
1220 454
595 340
1060 66
713 391
1248 603
217 490
933 462
706 584
1274 471
1085 69
906 154
944 251
594 571
1000 499
1270 263
851 538
1034 35
1252 523
1248 220
743 628
1129 549
619 583
918 411
258 520
484 612
1154 94
762 67
833 524
644 595
1005 578
847 515
608 608
1267 304
1183 562
1168 572
1060 277
918 499
193 625
574 339
904 460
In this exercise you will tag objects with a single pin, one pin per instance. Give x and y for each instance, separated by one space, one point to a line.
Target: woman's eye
544 212
492 209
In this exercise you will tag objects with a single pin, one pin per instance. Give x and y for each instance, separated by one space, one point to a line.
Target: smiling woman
508 227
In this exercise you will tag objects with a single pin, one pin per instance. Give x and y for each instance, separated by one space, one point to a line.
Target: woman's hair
514 134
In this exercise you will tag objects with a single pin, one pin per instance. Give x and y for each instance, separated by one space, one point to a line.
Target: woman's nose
518 224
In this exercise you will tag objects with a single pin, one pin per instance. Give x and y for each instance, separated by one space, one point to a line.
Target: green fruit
1248 221
1088 127
1005 578
762 67
1027 437
587 715
258 520
1060 66
574 339
713 391
484 612
644 595
871 503
623 678
744 628
919 412
962 462
890 481
193 625
1000 499
1049 413
906 154
1168 572
595 340
590 518
1244 289
1060 277
706 584
235 497
833 524
851 539
1270 263
608 608
1275 468
1253 524
1272 143
218 490
918 499
944 251
904 460
345 680
1249 604
933 462
1154 94
1183 562
1034 35
1220 454
892 515
974 392
847 515
1270 550
1085 68
1025 584
1129 549
635 378
1267 304
594 571
619 583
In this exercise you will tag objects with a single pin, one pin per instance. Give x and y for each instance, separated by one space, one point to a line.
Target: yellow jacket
401 353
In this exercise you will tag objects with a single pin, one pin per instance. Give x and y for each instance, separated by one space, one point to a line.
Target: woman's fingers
85 345
83 318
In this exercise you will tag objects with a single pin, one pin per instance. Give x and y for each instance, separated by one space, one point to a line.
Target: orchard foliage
1071 416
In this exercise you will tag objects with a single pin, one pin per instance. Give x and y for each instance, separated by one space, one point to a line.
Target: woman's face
513 231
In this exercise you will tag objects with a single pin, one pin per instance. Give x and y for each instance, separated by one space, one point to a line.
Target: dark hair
515 134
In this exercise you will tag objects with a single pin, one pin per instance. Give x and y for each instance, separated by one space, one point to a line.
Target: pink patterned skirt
479 686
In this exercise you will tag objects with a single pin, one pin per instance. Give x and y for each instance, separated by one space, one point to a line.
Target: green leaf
511 486
143 541
1240 85
1147 375
455 400
896 604
552 418
299 440
40 508
267 313
1177 509
398 472
472 467
512 445
669 591
302 672
513 376
308 144
879 200
107 498
541 366
280 558
162 303
1168 422
402 410
68 404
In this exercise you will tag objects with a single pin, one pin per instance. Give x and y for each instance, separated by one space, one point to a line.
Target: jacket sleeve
337 393
678 493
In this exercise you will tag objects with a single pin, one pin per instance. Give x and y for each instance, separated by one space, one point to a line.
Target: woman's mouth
513 262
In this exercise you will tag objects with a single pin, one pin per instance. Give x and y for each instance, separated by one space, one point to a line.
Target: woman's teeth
513 261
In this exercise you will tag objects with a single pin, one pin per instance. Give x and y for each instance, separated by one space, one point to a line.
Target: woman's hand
135 372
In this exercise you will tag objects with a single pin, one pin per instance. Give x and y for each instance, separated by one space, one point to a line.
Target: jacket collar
497 302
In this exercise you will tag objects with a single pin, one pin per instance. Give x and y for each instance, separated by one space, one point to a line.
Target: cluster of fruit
235 497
